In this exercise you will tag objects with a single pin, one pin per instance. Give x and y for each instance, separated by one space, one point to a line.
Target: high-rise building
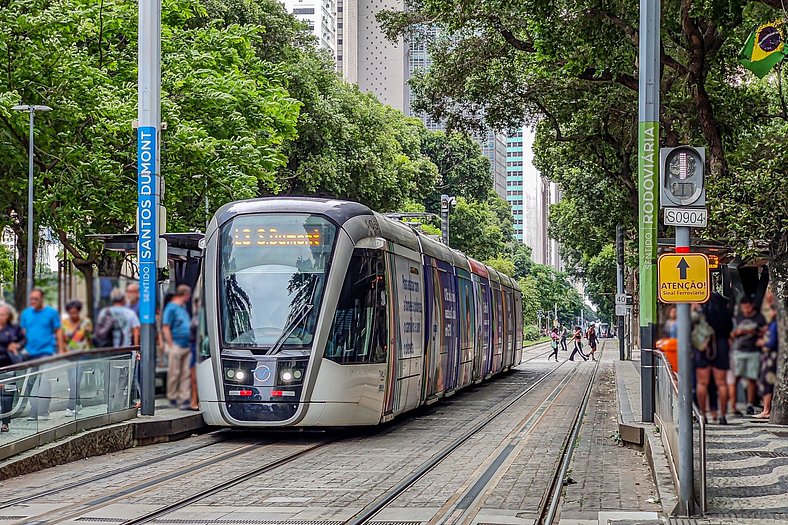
321 17
369 59
494 148
530 196
514 181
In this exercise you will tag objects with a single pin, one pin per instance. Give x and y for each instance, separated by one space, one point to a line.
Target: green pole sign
648 166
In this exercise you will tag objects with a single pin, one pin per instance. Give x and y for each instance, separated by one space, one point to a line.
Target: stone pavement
608 480
747 465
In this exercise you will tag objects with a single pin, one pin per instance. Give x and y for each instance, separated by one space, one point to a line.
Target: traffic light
681 176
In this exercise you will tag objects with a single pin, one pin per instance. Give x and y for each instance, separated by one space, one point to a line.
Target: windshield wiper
297 319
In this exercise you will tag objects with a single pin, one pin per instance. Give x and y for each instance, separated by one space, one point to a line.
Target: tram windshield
273 270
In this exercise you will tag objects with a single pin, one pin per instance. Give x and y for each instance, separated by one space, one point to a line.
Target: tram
323 313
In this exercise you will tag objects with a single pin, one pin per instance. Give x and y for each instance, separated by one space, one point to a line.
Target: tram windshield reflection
273 269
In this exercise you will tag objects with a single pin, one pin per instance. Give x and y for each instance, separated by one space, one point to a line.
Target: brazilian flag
764 49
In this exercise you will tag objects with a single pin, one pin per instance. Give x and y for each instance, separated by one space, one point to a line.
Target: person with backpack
117 325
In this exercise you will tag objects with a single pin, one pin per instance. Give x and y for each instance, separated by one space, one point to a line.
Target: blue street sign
146 221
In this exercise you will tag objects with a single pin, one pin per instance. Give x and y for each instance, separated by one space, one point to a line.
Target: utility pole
682 188
648 170
446 205
620 288
150 188
31 237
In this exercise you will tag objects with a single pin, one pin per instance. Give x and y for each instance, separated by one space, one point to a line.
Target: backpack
701 334
106 328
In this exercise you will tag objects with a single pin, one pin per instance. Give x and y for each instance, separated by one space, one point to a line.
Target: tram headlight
287 375
240 375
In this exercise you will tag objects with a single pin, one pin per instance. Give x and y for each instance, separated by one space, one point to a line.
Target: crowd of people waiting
40 331
729 349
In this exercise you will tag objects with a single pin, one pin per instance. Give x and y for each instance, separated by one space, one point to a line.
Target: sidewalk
609 481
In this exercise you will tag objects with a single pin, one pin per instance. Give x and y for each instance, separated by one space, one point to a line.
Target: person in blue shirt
176 331
41 324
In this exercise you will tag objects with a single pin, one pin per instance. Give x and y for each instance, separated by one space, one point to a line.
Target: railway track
465 504
218 437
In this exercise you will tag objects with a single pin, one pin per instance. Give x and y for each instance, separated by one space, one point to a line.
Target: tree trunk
778 273
86 268
20 293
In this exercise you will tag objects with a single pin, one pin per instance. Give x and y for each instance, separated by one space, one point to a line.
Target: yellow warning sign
683 278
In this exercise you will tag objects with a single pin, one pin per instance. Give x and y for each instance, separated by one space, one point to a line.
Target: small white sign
691 217
621 298
621 309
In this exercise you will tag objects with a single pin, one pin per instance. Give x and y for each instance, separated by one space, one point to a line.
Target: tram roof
337 210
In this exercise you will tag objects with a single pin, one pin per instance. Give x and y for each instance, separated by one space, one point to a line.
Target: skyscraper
320 16
369 59
530 196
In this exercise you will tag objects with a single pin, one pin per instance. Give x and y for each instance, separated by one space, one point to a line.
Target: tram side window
359 333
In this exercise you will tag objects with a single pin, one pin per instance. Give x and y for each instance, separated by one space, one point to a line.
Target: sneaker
173 403
723 421
45 417
737 412
32 418
750 410
70 413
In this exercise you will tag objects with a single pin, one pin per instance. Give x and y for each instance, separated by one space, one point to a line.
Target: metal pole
149 187
30 236
620 286
648 165
686 368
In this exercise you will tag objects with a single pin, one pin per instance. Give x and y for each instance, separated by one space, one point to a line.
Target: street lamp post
31 109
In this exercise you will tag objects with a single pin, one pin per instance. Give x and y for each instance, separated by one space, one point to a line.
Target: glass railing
667 413
48 398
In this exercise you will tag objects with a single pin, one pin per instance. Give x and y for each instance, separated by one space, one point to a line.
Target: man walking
176 324
748 326
564 335
41 324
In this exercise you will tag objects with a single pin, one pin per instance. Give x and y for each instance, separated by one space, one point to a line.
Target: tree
228 114
464 170
501 63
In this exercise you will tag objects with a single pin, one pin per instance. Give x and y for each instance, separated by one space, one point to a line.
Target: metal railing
51 397
666 411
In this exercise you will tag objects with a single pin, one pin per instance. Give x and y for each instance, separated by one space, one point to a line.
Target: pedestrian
117 326
718 352
671 328
44 335
133 298
554 342
577 339
702 338
768 375
77 332
592 340
12 340
564 335
748 326
176 323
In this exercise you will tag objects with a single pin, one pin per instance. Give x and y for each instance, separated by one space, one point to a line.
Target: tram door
406 322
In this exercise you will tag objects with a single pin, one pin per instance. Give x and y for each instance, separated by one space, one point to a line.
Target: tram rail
80 508
115 472
467 503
